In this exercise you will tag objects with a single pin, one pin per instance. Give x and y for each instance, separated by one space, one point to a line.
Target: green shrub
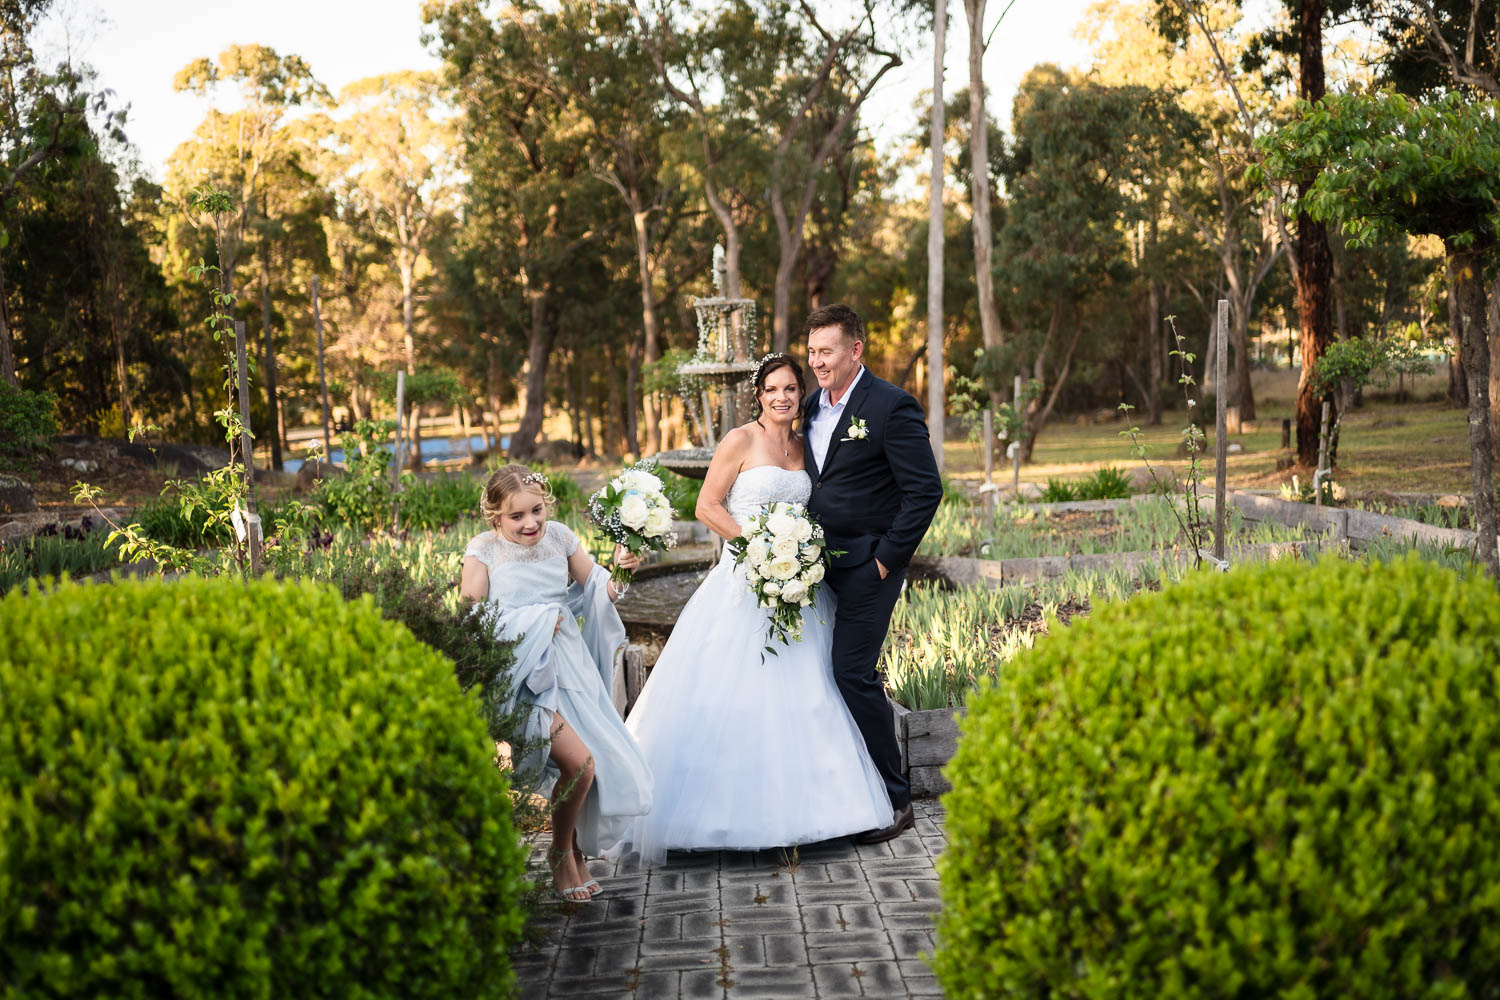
1108 483
53 553
27 419
439 502
683 492
1059 491
167 519
571 500
217 789
1277 782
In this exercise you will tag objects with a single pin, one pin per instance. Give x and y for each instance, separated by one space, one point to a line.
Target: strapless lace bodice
766 484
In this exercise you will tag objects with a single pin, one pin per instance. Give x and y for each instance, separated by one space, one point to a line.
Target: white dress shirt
826 418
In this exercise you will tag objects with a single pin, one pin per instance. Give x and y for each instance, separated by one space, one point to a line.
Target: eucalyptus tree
1079 150
979 184
1382 164
531 195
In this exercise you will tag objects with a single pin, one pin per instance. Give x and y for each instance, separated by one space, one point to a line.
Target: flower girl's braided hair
769 364
507 480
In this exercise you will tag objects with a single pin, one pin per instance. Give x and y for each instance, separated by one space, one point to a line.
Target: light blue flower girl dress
567 671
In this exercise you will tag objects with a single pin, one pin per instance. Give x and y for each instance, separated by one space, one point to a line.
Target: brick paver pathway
839 920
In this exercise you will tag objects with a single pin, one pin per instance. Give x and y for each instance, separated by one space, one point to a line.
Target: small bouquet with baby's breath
634 510
784 557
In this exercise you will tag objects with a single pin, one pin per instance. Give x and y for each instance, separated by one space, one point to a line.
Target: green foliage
168 520
1359 359
1107 483
428 504
274 793
1059 491
28 420
361 499
1385 165
53 553
570 499
1271 782
682 491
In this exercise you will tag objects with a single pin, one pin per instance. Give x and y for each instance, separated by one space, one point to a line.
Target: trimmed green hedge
217 789
1279 782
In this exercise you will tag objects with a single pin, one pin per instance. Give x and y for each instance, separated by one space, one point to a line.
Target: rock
15 496
1141 481
1452 500
313 472
84 465
1234 448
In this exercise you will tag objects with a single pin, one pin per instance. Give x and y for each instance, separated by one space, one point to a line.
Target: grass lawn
1418 447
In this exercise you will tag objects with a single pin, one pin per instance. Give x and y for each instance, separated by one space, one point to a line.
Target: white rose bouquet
634 510
785 559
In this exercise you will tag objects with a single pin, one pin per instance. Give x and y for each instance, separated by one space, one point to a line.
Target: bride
750 751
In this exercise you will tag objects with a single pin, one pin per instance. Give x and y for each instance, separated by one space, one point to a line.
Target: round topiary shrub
1279 782
217 789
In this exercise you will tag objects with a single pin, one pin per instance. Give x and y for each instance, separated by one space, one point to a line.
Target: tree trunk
7 357
650 324
1153 351
979 188
1458 388
632 395
408 308
1467 268
1314 260
494 377
1243 395
936 410
1492 314
538 348
275 422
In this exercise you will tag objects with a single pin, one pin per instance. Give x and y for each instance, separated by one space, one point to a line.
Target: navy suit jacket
875 496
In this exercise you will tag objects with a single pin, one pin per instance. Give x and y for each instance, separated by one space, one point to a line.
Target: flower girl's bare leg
576 764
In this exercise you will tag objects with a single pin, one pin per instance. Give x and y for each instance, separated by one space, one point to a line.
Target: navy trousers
859 628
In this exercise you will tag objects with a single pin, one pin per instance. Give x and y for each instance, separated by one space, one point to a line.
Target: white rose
659 521
814 573
659 499
781 524
772 589
635 479
811 554
617 484
753 576
784 569
757 551
769 602
785 547
804 531
794 592
633 512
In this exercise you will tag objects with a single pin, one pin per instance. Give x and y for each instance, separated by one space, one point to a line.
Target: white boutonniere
857 430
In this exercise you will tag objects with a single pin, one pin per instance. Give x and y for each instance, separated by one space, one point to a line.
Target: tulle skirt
748 754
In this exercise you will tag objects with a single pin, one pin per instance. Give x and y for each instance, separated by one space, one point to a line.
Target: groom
875 489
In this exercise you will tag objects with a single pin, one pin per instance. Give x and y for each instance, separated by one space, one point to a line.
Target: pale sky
137 47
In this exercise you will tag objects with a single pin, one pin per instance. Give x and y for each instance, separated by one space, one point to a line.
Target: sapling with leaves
221 494
1348 366
1191 520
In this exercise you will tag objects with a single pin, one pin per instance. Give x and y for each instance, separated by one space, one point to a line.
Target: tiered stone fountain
722 363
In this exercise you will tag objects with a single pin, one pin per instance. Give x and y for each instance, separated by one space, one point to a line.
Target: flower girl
519 574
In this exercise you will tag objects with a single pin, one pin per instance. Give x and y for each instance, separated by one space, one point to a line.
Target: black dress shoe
905 820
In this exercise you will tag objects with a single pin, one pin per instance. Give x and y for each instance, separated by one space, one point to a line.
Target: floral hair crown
534 479
761 366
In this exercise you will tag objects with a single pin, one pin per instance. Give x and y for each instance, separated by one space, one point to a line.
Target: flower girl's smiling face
524 517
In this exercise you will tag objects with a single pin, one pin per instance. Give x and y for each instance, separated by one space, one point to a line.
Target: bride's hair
769 364
507 480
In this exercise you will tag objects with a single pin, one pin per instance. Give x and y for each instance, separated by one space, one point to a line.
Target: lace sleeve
563 537
482 547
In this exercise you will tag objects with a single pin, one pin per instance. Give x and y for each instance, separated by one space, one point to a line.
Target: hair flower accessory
857 430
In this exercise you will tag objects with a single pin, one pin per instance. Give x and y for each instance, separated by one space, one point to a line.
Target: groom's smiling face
833 357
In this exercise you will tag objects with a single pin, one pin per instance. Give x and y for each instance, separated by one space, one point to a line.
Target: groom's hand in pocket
880 568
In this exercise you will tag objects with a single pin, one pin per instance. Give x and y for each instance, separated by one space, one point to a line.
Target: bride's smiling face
781 397
523 519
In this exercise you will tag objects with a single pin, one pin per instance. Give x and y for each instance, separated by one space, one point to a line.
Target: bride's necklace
786 449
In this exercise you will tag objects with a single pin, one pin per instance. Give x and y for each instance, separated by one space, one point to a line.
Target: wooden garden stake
322 377
989 463
1221 433
252 520
1015 446
400 422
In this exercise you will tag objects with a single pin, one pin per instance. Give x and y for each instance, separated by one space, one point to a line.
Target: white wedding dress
749 754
